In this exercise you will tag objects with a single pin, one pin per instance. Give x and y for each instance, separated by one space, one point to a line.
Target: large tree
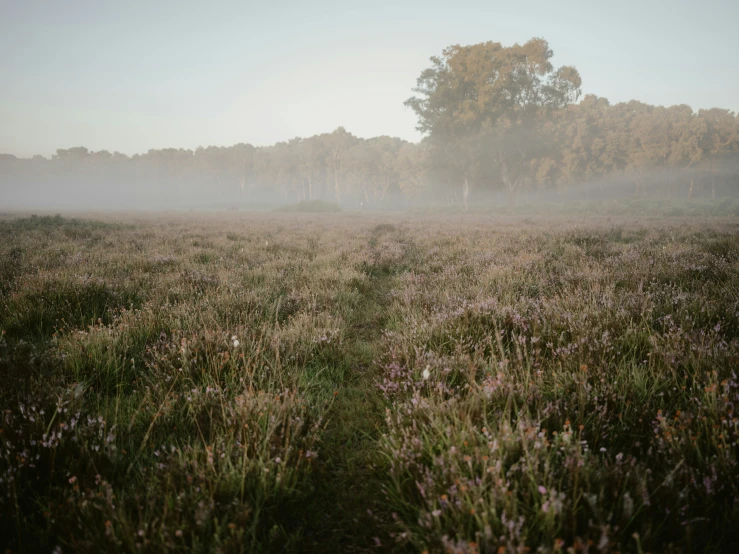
480 104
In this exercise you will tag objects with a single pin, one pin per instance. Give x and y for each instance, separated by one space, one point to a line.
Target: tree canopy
469 89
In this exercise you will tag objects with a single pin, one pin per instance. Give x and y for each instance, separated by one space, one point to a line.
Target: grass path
347 480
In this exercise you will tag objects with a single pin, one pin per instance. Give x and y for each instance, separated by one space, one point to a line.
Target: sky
129 76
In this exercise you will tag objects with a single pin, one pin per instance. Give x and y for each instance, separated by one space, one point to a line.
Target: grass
330 382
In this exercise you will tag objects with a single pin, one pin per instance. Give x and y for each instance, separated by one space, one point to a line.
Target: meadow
337 382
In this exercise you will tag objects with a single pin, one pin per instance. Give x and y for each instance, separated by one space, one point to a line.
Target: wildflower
235 341
542 489
426 373
178 533
628 505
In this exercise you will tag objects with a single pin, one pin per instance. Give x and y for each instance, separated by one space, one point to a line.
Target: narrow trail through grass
348 497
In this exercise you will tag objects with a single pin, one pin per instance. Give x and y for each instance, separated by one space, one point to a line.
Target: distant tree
312 164
479 104
76 153
721 139
338 144
412 167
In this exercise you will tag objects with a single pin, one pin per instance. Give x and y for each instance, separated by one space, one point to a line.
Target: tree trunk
336 184
386 185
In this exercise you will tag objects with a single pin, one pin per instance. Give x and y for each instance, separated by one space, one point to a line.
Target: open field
343 382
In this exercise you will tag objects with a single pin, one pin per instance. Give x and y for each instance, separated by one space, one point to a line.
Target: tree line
499 122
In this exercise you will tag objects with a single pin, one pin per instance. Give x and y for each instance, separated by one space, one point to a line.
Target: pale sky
131 75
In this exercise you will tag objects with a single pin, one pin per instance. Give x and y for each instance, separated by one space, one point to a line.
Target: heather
551 380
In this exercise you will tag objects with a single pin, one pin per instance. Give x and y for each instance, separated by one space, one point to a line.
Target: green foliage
470 88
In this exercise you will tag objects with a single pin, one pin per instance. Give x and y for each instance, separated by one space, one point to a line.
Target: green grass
360 383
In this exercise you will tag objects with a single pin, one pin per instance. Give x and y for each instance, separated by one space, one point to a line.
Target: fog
405 178
501 126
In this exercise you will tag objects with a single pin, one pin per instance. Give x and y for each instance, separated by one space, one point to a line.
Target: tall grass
290 382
